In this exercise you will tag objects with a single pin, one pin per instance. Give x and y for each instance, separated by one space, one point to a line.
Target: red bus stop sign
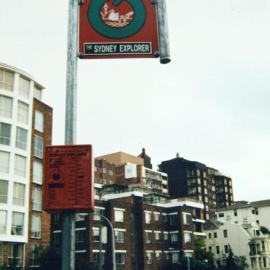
118 29
68 178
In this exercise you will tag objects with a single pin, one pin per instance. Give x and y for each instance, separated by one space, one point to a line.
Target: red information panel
118 29
68 178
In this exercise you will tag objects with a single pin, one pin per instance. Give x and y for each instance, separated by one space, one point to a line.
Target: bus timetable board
68 178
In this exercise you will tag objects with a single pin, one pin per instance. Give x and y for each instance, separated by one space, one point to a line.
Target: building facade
147 235
245 240
244 212
25 127
128 170
195 180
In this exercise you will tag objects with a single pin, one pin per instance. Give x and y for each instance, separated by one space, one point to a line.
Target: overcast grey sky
210 104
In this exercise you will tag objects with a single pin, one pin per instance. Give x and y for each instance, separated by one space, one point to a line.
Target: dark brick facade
195 180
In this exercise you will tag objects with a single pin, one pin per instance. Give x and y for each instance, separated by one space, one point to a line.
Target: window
99 257
98 212
264 262
173 219
37 92
209 235
24 87
167 255
119 215
148 237
22 113
175 237
225 233
187 218
80 235
5 133
226 249
17 223
166 235
96 234
221 214
18 194
37 199
3 221
165 217
215 235
175 257
217 250
4 162
3 191
15 256
21 138
120 257
20 166
38 146
158 255
39 121
187 238
35 255
149 257
119 236
148 216
235 212
37 172
6 80
157 235
36 227
156 216
5 106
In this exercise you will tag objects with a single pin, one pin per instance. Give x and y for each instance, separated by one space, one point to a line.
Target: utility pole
68 229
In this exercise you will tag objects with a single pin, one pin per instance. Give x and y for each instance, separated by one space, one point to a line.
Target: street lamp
112 248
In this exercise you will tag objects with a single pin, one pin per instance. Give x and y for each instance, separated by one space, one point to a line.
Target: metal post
163 33
68 230
100 247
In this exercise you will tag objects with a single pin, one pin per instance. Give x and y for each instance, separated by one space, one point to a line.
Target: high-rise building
25 127
196 180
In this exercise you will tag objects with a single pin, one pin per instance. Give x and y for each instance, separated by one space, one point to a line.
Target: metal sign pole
68 230
163 33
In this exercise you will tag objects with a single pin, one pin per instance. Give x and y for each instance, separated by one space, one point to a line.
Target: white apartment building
246 213
239 227
17 93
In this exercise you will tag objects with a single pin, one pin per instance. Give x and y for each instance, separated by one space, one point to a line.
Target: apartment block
196 180
149 232
127 170
244 212
245 240
25 127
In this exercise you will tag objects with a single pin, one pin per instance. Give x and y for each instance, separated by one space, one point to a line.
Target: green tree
232 262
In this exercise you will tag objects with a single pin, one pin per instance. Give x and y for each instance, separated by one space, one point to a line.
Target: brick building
198 181
128 170
147 235
25 127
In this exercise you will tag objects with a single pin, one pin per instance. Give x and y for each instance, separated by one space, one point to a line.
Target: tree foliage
232 262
